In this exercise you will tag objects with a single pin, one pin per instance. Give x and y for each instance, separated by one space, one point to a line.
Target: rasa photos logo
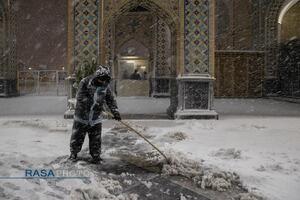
51 174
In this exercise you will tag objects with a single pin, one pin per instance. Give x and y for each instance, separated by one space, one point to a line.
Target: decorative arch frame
272 31
131 38
286 6
172 20
152 5
107 32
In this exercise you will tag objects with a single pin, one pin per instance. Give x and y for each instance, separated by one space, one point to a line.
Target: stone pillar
195 100
84 24
195 93
163 56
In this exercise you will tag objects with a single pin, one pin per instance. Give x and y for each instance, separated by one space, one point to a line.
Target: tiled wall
196 41
86 31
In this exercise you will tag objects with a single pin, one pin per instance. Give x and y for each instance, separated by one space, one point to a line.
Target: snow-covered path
264 151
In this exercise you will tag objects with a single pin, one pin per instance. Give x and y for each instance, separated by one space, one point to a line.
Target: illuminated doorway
133 78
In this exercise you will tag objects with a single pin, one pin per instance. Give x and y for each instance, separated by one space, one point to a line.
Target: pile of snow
210 178
151 160
103 190
206 178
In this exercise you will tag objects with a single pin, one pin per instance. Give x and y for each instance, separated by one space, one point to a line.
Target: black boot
73 157
96 160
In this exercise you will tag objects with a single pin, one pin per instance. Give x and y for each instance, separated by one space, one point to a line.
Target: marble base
195 97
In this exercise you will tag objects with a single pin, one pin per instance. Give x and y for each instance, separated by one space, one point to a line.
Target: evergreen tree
86 69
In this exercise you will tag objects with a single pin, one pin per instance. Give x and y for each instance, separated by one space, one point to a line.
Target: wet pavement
134 180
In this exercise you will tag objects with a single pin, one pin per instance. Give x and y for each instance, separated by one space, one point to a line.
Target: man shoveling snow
93 92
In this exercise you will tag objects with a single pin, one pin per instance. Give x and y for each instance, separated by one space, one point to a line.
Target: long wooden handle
141 135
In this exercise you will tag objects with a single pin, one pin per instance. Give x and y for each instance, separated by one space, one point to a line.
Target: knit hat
103 71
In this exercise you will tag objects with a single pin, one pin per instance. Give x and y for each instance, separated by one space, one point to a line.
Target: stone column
86 26
84 23
195 82
163 56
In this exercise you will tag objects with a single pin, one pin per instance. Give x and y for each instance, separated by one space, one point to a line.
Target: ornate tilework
2 38
109 48
8 68
86 30
2 28
163 47
137 26
196 44
170 5
197 95
12 56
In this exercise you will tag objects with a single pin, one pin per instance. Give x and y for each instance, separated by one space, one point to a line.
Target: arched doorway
273 74
289 49
132 69
153 28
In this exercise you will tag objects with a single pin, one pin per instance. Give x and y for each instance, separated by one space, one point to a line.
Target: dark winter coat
90 100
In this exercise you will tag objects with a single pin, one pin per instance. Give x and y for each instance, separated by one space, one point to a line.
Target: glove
117 116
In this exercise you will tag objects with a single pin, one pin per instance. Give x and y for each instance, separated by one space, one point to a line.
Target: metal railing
161 86
42 82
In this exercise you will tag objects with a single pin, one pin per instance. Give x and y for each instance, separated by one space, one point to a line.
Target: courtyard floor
259 140
144 106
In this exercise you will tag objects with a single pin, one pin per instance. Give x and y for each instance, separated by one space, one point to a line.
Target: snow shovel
141 135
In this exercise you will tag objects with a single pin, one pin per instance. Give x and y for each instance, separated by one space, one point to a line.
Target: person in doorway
93 92
145 75
135 75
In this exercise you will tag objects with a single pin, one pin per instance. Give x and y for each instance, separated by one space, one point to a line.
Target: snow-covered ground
264 151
